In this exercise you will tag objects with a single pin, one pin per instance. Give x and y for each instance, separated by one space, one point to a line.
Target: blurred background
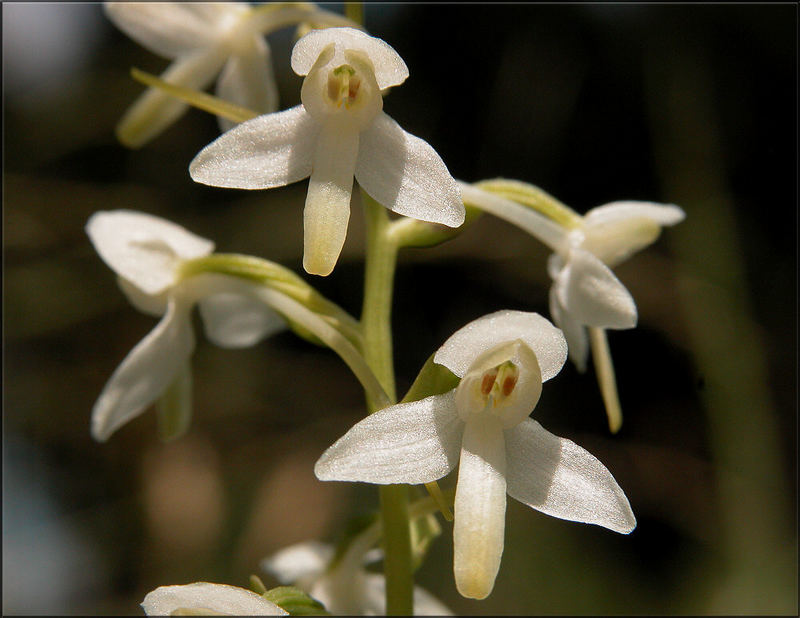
686 104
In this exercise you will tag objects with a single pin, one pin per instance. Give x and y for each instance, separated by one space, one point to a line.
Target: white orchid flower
344 587
483 426
586 297
146 253
205 599
206 41
338 133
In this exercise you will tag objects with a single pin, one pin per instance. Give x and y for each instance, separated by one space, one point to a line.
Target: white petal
405 174
559 478
390 70
272 150
327 209
480 507
248 80
151 304
413 443
574 331
142 248
235 321
219 598
167 28
615 231
489 331
351 593
297 562
146 372
373 597
512 406
663 214
592 293
425 604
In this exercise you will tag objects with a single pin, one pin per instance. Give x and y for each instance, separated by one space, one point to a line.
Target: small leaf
416 233
295 601
256 585
433 379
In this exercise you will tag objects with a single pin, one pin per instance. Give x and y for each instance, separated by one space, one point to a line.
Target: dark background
686 104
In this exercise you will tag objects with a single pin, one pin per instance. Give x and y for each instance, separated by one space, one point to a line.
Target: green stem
376 312
381 259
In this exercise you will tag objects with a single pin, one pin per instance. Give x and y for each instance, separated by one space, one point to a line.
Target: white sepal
248 80
390 70
613 232
145 372
297 563
591 292
559 478
489 331
238 321
415 442
480 507
574 331
663 214
142 248
405 174
169 29
272 150
214 598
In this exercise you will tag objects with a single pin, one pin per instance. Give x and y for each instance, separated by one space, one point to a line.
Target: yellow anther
499 382
343 85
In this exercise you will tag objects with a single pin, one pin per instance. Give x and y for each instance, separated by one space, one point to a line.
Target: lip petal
480 507
327 209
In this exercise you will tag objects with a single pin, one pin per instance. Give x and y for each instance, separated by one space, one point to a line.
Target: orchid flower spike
586 297
483 426
147 252
204 40
338 132
343 586
205 599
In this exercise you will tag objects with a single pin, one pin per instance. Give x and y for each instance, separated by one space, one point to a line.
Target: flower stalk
381 260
